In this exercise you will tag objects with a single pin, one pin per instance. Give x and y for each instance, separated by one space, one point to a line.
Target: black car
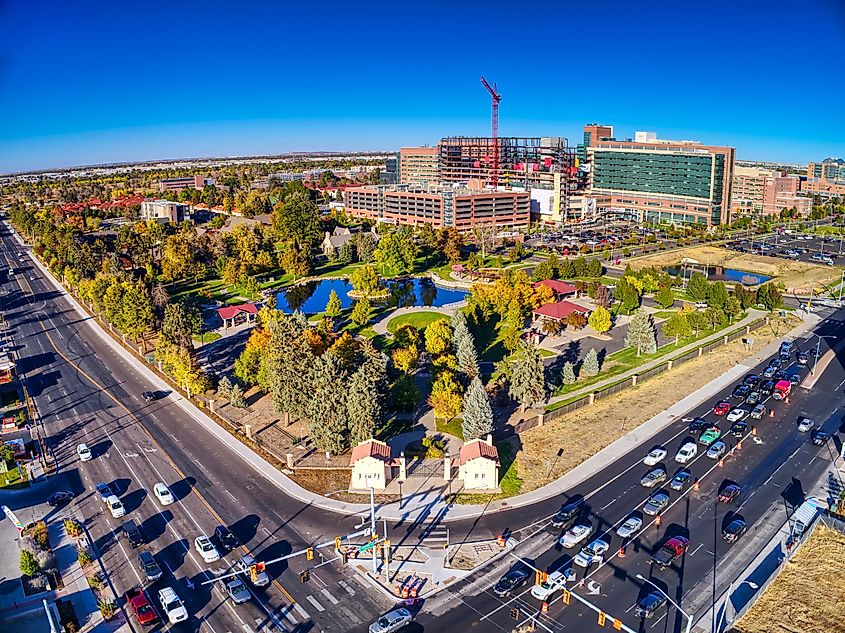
752 380
567 513
132 533
60 498
648 606
767 387
149 396
697 424
516 577
149 567
802 358
741 391
734 530
779 375
739 429
777 363
794 378
729 493
225 538
819 437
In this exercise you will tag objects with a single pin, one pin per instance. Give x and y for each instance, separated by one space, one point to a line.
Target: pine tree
363 406
333 307
528 381
224 388
665 297
464 346
641 333
697 287
478 414
236 397
361 311
590 366
327 405
568 375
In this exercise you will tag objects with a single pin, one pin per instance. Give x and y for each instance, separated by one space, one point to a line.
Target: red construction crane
496 98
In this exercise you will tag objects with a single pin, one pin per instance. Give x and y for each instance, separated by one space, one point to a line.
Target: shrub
72 527
434 447
84 556
39 534
107 608
28 563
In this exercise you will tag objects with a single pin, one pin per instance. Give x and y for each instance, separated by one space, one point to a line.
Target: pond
718 273
312 297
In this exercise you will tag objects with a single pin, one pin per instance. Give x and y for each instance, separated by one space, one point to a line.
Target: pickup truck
672 549
141 607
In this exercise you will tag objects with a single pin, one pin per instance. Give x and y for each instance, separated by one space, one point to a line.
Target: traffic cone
544 608
739 445
771 413
405 592
721 462
398 591
657 521
414 591
500 540
754 431
696 485
786 400
622 552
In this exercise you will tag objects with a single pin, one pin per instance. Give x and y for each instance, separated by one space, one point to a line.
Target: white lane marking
604 507
696 549
247 628
657 621
302 612
289 616
231 495
329 596
346 588
314 602
162 479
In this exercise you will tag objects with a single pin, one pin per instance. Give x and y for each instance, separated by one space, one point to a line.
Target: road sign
366 547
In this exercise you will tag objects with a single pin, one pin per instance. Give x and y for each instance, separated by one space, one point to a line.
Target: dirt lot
611 418
808 595
795 275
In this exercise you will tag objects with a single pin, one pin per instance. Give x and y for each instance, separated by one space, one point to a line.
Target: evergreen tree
464 345
346 253
236 397
224 388
528 381
568 374
361 311
594 268
717 295
566 270
364 397
697 287
641 333
334 307
478 414
327 405
590 366
733 307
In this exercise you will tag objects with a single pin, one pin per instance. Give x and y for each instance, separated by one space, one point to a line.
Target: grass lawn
207 337
663 314
544 353
488 340
213 289
12 479
419 320
452 427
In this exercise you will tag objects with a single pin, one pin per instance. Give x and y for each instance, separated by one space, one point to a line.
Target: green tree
28 563
600 320
566 270
677 326
365 396
334 307
543 270
365 246
297 219
181 321
715 317
697 321
594 268
136 310
404 395
769 296
733 308
527 381
717 295
568 374
327 405
511 327
665 298
236 397
445 396
641 333
224 388
295 261
477 412
628 293
590 366
397 251
361 311
438 337
365 280
346 253
697 287
406 335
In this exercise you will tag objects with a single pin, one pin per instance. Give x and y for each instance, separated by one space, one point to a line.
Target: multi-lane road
85 392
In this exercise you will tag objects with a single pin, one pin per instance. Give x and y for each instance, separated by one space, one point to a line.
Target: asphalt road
85 392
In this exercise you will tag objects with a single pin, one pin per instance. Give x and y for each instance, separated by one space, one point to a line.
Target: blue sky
97 81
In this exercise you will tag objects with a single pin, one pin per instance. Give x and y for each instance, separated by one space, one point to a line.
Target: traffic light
344 557
515 613
309 553
602 618
337 540
540 577
304 576
566 596
253 572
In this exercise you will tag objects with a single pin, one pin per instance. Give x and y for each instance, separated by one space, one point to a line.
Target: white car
736 414
805 424
163 494
115 506
575 535
172 605
392 621
260 578
655 456
629 527
84 453
593 553
206 549
555 582
686 452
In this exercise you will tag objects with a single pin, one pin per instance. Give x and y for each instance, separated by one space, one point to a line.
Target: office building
390 174
440 205
747 192
164 211
661 181
830 169
188 182
418 165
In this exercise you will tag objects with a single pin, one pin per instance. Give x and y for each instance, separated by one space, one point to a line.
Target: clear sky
95 81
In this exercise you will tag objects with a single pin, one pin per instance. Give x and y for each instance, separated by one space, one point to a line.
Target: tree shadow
182 488
246 528
156 525
275 550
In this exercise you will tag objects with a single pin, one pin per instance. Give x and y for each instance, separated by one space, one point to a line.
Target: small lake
312 297
718 273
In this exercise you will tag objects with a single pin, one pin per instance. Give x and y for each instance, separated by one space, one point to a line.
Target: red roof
560 310
230 311
558 287
370 448
478 448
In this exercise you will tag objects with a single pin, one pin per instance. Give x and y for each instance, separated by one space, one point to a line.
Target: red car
729 493
721 408
137 600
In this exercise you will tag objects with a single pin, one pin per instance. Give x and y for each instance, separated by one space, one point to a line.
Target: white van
686 452
115 506
554 582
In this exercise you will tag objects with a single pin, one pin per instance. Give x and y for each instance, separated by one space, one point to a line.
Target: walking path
448 310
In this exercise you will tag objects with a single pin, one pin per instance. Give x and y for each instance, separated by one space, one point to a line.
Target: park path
448 310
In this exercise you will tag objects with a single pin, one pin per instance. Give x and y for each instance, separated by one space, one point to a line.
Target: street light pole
818 350
753 585
681 611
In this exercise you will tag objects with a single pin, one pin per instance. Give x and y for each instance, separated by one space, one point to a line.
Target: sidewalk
380 327
76 584
752 316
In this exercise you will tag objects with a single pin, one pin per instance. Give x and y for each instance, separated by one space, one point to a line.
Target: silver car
631 525
656 503
653 477
391 621
237 591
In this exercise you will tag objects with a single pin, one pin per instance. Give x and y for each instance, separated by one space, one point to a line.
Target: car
687 452
650 604
515 577
84 453
803 358
237 591
653 477
734 530
148 566
794 378
554 582
206 549
575 535
670 551
819 437
680 480
786 348
655 456
722 407
758 412
752 380
630 527
740 392
172 605
60 498
225 538
700 304
752 398
769 372
163 494
805 424
133 533
392 621
717 450
697 424
115 506
767 388
710 435
776 363
145 613
592 553
258 576
567 513
656 503
149 396
104 490
736 414
739 429
779 375
729 493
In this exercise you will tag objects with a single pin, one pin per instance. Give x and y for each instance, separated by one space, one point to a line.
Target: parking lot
802 247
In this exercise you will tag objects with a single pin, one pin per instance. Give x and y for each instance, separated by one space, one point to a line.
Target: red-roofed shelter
236 315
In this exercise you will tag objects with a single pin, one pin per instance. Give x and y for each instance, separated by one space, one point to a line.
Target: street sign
366 547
